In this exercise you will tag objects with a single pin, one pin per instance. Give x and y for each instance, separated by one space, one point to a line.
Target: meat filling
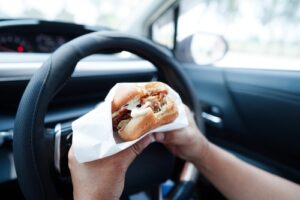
123 114
154 99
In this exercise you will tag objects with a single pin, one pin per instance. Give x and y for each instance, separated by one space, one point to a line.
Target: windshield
110 13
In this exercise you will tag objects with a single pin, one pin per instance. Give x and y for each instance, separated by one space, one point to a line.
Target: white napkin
93 133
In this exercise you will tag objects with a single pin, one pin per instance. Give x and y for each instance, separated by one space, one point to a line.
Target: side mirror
201 48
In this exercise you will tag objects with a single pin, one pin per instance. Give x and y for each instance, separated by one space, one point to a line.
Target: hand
104 178
187 143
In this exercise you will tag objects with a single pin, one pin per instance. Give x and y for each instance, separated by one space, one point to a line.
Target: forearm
239 180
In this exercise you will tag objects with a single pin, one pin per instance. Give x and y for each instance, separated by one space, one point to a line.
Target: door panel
211 88
260 110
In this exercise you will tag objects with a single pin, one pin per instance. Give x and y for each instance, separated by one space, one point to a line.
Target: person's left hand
104 178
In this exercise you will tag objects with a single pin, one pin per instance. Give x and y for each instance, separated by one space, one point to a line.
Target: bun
125 93
169 115
141 108
137 126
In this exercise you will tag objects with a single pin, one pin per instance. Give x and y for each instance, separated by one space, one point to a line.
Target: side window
259 33
163 29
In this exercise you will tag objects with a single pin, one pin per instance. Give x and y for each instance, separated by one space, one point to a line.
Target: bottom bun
140 125
167 116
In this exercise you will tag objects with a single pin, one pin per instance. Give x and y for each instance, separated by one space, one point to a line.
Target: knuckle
71 159
136 149
170 138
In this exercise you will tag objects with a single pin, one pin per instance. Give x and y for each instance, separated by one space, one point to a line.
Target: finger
142 144
137 148
159 137
71 157
172 137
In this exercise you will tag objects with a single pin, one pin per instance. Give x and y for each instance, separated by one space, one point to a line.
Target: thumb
132 152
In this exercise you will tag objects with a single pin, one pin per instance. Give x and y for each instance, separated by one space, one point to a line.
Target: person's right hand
187 143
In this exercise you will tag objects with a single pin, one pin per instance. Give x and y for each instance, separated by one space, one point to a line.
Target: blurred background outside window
110 13
259 33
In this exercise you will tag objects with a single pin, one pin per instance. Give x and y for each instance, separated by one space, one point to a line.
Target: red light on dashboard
20 49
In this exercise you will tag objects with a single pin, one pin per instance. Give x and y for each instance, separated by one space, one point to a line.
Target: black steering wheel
34 145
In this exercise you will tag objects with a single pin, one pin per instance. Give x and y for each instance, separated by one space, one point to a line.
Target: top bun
128 91
124 93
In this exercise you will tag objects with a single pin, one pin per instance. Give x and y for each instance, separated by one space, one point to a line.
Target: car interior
234 63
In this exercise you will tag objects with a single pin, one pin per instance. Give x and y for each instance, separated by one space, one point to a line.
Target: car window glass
162 29
259 33
112 13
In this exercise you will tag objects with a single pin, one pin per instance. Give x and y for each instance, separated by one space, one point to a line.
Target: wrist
202 153
85 195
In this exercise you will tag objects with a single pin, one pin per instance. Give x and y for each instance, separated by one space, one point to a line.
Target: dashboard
40 42
37 36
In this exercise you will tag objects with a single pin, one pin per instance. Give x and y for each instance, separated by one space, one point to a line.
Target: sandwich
141 107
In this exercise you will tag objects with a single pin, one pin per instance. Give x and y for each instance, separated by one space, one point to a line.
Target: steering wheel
35 147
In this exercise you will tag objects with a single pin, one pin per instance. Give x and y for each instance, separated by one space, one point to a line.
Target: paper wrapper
93 136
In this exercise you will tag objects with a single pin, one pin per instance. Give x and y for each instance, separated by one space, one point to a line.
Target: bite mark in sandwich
139 108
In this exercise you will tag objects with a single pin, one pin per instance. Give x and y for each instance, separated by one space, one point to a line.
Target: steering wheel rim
33 144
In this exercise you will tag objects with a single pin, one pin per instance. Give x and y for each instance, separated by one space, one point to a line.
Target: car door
251 97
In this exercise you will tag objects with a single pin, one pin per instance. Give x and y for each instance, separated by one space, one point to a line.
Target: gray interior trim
57 130
24 71
19 22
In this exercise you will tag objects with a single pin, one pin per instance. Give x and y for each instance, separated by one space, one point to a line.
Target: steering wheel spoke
63 141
